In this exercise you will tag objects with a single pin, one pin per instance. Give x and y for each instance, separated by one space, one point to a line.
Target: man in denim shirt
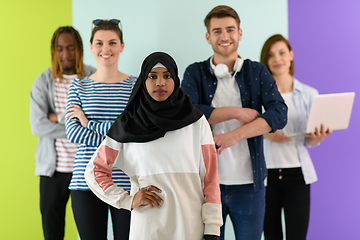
231 92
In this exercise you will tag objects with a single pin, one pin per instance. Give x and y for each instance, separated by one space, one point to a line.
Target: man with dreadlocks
55 155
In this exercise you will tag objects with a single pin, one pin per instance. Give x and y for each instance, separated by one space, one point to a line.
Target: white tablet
333 110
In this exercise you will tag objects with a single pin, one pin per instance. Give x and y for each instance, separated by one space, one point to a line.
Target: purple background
325 37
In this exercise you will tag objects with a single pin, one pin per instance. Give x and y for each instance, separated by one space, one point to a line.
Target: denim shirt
303 95
257 89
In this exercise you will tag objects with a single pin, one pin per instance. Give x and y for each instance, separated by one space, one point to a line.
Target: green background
26 31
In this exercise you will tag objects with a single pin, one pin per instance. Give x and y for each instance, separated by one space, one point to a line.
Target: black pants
54 195
91 217
286 189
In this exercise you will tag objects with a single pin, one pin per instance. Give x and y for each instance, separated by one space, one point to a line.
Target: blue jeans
246 207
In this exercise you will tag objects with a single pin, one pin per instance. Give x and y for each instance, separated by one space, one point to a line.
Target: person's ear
91 47
291 55
240 34
207 36
122 47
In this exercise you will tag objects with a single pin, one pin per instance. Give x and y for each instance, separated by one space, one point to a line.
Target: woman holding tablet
290 169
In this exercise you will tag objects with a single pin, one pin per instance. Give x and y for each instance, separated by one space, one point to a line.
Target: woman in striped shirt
93 104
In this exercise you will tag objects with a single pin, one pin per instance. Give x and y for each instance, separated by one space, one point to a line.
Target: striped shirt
65 150
102 103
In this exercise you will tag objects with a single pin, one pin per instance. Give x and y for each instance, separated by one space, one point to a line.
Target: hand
277 137
147 195
76 112
246 115
52 117
224 141
318 136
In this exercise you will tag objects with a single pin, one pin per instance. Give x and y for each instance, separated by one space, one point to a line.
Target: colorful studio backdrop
325 39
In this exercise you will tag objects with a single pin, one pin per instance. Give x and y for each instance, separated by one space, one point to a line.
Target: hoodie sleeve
99 171
42 103
211 210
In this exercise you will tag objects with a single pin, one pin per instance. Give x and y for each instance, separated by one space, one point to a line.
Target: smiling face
106 47
159 84
224 36
65 50
279 58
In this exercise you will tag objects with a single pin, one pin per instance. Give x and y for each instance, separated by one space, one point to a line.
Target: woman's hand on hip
147 195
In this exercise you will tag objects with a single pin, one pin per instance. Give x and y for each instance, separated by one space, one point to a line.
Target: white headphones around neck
221 70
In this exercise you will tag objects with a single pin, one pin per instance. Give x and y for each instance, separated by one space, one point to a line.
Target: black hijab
145 119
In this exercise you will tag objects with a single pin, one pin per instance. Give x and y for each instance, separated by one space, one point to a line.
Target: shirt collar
208 65
297 86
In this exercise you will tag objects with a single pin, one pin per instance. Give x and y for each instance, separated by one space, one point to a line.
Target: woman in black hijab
145 119
164 144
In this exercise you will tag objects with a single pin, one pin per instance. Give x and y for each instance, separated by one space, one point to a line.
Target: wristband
211 237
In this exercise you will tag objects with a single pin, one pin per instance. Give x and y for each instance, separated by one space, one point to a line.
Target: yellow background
26 31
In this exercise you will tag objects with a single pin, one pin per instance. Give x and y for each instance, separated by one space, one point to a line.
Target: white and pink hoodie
183 164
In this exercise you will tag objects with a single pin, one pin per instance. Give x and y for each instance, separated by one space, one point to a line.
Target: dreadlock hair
55 62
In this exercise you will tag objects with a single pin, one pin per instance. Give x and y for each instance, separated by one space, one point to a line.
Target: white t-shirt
285 155
234 162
